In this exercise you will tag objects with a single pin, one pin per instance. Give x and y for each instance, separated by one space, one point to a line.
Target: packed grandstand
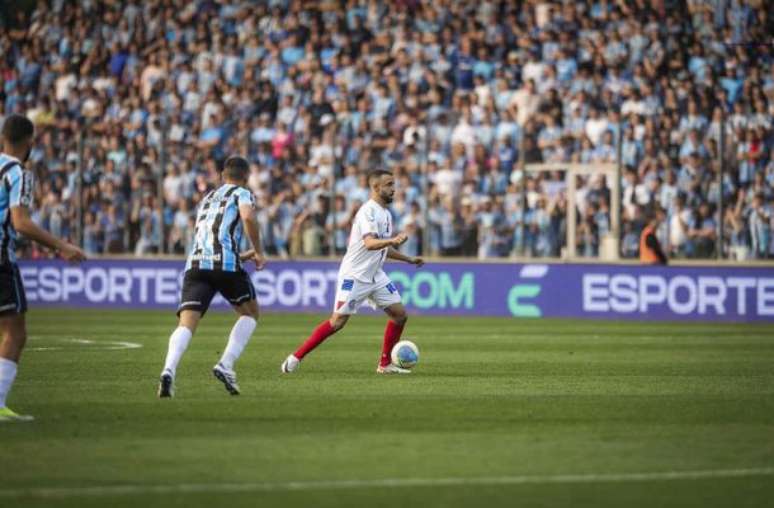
148 98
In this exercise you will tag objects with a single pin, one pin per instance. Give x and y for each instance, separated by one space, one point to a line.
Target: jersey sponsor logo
205 257
391 287
347 284
26 189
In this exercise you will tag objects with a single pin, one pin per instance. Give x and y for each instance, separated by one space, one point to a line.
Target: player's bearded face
387 189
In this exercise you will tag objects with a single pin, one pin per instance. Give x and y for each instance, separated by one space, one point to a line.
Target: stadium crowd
452 96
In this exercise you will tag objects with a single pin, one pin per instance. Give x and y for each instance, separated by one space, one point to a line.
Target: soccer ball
405 354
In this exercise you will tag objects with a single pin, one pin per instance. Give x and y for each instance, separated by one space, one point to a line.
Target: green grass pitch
499 412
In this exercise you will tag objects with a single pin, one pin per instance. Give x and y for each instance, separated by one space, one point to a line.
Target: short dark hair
236 168
377 173
17 128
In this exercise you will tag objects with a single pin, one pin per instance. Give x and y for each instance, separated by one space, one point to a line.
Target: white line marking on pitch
107 345
184 488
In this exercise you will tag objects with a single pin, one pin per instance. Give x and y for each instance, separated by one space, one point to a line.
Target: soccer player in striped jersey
362 279
15 200
215 266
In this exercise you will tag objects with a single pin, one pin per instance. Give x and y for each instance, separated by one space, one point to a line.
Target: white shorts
352 293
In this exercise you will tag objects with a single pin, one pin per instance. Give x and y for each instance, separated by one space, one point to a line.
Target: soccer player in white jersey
15 200
361 277
215 266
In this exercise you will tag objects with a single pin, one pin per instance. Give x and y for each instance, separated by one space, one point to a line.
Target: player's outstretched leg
392 333
322 332
240 335
178 343
14 335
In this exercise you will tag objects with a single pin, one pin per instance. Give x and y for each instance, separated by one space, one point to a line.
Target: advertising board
484 289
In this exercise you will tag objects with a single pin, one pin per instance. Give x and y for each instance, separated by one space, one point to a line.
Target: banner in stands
489 289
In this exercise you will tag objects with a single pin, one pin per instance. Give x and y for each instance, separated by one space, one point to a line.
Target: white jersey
360 263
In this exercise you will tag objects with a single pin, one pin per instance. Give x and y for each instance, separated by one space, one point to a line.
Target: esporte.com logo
679 294
541 289
521 296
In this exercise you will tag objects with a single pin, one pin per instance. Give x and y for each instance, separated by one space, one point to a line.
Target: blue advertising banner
496 289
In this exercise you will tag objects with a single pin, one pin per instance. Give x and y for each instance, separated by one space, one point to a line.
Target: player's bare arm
373 243
250 223
22 223
247 255
399 256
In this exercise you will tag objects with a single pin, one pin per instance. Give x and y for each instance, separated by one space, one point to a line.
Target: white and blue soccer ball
405 354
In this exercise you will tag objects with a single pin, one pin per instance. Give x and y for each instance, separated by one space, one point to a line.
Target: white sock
7 375
178 342
240 336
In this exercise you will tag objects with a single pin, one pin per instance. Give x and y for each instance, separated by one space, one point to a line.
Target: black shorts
12 297
200 286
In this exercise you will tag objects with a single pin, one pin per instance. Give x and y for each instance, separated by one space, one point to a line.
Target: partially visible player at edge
215 266
15 200
362 278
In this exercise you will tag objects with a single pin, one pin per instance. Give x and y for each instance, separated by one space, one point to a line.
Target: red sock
391 337
322 332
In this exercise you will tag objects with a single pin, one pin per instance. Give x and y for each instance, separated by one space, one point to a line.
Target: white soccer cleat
227 377
290 364
392 369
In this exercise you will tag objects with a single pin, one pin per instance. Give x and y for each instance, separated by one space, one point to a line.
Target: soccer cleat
227 377
391 369
166 385
7 415
290 364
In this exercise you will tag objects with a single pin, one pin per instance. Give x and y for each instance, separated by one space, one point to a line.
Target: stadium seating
452 96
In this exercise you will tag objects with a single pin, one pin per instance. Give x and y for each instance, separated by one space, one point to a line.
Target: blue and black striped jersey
219 229
15 190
